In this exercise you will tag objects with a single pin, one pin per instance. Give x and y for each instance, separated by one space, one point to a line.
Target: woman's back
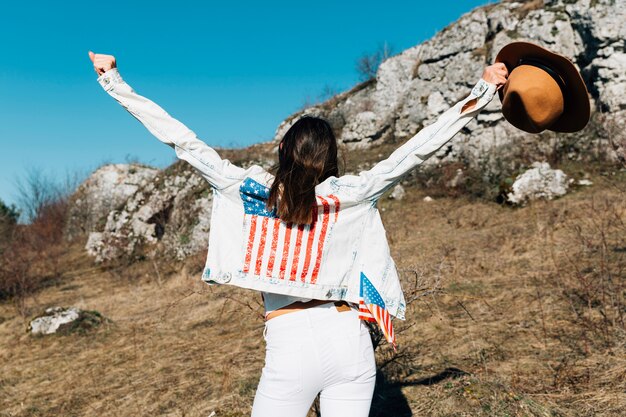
249 246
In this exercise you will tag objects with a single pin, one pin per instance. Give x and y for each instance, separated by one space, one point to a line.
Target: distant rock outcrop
411 89
174 208
105 190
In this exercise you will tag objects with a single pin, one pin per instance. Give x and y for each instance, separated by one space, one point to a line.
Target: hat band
552 73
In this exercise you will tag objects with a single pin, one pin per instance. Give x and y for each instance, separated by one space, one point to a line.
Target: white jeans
311 351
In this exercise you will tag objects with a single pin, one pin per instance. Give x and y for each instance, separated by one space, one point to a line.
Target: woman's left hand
102 63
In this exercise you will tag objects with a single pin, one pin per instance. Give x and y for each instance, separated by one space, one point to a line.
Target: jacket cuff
484 89
109 79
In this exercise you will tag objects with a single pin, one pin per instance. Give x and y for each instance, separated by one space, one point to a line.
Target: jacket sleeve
220 173
371 184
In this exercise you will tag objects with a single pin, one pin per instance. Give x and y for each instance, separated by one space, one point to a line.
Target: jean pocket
355 354
282 374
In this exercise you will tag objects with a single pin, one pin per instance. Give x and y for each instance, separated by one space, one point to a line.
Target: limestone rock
397 193
541 181
364 129
106 189
173 210
66 320
53 318
414 87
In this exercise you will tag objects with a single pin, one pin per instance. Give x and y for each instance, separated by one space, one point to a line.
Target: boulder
65 320
540 181
53 318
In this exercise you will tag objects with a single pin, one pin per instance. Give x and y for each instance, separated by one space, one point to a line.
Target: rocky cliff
411 89
171 209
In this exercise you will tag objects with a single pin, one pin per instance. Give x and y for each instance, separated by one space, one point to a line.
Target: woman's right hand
102 63
496 74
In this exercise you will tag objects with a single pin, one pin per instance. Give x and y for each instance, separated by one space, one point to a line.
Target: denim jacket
251 247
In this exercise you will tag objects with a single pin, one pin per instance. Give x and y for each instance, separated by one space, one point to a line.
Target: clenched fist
102 63
496 74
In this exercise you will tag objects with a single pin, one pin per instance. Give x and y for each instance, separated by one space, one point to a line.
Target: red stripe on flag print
296 253
320 243
246 264
336 200
270 262
277 249
364 313
259 256
384 321
309 245
283 263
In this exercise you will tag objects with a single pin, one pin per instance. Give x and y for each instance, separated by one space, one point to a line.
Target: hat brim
577 109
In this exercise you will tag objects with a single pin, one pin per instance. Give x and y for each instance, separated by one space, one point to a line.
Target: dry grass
170 348
527 322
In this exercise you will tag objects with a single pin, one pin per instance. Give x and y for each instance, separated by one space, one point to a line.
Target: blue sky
231 71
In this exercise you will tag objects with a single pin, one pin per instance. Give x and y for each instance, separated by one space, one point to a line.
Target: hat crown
533 100
544 90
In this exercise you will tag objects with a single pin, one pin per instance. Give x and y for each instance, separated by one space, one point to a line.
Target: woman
311 241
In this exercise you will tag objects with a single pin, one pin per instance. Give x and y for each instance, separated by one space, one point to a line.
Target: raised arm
220 173
371 184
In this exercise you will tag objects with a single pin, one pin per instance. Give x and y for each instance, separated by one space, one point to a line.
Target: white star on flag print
277 249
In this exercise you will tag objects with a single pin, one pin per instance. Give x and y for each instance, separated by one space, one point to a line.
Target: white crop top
275 301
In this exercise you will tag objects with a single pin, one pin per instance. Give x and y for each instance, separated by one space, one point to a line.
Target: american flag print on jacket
372 308
281 250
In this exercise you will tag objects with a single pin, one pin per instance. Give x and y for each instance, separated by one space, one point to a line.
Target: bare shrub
31 257
37 191
592 144
8 219
490 179
325 99
328 92
592 277
528 6
367 65
8 214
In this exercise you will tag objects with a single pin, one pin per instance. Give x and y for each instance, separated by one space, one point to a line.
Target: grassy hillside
516 312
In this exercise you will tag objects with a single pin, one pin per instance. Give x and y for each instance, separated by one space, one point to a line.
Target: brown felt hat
544 90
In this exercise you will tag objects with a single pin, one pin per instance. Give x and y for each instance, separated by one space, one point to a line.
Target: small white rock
428 198
54 318
398 193
584 182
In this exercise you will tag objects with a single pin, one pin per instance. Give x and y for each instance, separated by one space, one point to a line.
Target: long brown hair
307 156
